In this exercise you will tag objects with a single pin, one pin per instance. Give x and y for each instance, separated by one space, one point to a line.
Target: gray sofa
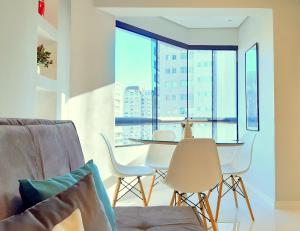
40 149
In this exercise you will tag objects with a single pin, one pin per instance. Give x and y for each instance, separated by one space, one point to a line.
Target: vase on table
187 129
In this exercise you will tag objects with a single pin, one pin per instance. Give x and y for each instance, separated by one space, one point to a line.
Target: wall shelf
52 30
44 83
45 30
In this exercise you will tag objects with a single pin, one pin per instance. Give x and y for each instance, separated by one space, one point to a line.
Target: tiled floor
230 218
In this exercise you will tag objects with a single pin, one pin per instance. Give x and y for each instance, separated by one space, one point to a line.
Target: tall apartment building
119 111
146 130
173 82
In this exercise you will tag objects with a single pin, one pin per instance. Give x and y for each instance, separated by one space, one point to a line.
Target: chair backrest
195 166
161 154
243 157
112 163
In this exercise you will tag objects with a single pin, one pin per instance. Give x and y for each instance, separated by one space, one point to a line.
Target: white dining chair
194 170
125 171
159 156
234 170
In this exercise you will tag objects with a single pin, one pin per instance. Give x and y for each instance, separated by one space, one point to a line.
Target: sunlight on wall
92 113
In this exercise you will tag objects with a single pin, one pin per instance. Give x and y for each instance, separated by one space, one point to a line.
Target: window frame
160 38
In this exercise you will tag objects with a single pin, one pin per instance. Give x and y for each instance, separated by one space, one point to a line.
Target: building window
183 83
183 70
183 56
183 97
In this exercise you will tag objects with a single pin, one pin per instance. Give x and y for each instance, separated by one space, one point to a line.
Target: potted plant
43 58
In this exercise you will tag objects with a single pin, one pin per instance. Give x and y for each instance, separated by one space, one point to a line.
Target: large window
160 83
135 71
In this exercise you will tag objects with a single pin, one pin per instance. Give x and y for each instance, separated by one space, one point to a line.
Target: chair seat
228 169
158 166
157 218
133 171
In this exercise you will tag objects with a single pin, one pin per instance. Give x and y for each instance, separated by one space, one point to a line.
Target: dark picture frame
252 88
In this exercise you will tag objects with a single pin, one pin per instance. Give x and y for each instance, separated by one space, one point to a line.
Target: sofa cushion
49 213
162 218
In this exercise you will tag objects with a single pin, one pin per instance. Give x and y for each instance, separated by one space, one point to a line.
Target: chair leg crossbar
238 188
124 187
159 174
202 206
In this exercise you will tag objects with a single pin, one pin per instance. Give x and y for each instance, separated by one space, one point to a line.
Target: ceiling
213 21
191 17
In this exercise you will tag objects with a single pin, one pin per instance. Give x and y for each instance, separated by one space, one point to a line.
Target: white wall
17 58
217 36
174 31
92 78
63 54
260 29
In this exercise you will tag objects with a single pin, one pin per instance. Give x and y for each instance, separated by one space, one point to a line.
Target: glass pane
135 58
200 91
172 87
224 95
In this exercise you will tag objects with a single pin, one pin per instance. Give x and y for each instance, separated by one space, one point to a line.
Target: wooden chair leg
246 198
142 191
151 187
210 216
179 200
208 193
116 192
173 199
219 199
202 209
234 192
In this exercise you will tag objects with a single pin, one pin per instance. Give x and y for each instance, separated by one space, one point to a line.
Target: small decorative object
187 129
252 88
41 8
43 56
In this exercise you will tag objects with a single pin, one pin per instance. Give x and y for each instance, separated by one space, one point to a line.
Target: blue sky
135 70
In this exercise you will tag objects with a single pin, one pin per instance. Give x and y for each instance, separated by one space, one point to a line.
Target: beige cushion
71 223
162 218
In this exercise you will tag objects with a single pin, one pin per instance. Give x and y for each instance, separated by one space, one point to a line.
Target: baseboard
287 205
271 202
265 197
